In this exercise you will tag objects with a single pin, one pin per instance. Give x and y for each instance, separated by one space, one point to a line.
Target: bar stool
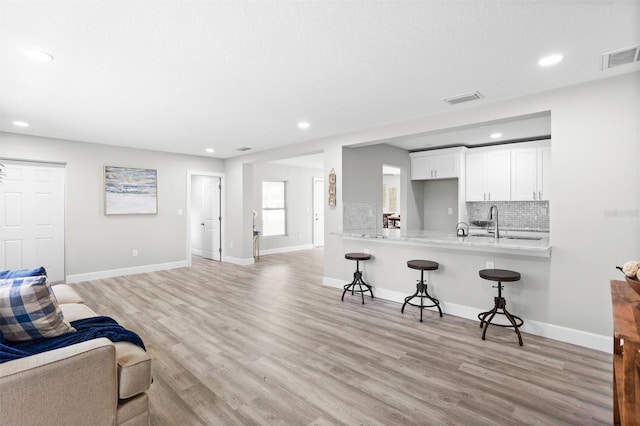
500 275
357 276
421 287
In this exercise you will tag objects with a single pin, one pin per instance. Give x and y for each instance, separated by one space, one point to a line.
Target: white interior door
211 219
318 212
32 218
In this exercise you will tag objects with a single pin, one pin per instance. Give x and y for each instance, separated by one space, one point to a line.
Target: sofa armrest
71 385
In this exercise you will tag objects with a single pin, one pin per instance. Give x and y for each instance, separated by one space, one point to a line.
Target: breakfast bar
514 243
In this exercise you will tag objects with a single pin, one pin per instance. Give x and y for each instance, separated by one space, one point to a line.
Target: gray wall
299 193
439 195
362 180
95 242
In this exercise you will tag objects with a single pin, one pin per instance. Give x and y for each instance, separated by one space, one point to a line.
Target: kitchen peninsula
514 243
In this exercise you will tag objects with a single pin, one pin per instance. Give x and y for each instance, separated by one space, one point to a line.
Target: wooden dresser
626 360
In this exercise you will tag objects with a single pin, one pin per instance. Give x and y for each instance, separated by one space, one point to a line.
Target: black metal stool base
500 308
422 293
357 281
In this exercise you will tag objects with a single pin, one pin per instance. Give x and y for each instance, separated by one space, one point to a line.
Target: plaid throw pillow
29 310
20 273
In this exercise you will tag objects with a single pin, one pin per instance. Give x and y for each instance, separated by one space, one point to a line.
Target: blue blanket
86 329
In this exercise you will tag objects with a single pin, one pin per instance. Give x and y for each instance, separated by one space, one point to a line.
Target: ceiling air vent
619 57
244 148
465 97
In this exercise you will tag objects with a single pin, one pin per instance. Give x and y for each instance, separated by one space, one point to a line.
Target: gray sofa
91 383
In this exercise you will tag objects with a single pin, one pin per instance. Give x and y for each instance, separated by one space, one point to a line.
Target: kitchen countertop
479 242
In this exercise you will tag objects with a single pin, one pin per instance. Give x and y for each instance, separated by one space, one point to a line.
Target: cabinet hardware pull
489 196
540 195
534 195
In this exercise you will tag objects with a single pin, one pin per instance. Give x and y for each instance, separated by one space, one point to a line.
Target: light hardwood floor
268 344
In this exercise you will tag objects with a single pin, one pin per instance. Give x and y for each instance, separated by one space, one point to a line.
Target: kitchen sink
507 237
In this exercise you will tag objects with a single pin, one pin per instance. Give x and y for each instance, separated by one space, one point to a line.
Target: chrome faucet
497 229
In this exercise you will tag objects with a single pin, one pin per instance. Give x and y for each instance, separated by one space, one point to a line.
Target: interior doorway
318 212
205 215
32 211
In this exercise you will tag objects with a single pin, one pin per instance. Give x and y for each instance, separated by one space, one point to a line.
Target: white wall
299 202
95 242
392 182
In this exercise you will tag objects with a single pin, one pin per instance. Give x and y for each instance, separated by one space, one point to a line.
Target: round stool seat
499 275
422 265
357 256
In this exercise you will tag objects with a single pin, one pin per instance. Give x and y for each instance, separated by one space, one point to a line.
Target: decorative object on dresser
631 271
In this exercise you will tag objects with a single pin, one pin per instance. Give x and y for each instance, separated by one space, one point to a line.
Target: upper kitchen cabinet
488 175
531 173
436 164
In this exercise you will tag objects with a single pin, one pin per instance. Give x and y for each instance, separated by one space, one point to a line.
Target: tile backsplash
525 215
359 216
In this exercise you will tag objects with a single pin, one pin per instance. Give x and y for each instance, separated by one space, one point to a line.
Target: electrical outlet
230 244
489 264
366 251
450 210
135 252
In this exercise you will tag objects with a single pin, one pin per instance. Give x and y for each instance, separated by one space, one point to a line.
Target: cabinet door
421 168
544 173
524 185
446 166
476 177
499 175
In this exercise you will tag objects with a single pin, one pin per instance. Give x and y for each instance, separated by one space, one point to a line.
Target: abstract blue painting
130 191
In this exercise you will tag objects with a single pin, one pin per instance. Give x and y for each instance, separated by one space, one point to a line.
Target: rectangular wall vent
465 97
244 148
619 57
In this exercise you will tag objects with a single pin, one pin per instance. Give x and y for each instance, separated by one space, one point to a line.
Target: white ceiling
182 76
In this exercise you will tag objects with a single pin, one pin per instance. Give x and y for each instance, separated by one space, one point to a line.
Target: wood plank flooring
268 344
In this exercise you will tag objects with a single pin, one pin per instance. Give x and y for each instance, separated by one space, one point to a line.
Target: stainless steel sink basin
515 237
507 237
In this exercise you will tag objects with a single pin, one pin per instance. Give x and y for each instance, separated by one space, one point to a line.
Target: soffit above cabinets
511 130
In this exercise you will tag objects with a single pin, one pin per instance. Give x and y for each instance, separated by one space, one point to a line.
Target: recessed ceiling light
210 150
303 125
496 135
550 60
21 124
37 55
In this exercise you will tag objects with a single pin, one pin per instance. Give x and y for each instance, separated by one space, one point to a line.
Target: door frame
316 181
221 176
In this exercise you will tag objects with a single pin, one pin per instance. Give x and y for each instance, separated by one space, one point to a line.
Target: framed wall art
332 188
130 191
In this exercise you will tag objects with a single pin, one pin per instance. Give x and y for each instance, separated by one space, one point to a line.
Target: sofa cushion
66 294
76 311
134 369
21 273
29 310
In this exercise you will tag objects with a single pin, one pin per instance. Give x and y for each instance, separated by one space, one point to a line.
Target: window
274 212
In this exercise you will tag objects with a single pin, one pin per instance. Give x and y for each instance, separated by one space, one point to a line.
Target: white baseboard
98 275
551 331
197 252
238 260
286 249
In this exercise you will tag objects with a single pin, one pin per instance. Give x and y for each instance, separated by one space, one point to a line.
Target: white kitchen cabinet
488 176
437 164
531 174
